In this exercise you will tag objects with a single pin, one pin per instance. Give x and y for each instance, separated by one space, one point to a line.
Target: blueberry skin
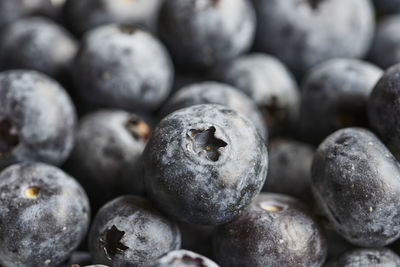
378 257
44 215
204 164
122 67
269 83
128 231
385 49
106 158
387 6
275 230
305 33
216 93
39 44
290 169
334 95
182 258
384 108
202 33
37 119
356 180
84 15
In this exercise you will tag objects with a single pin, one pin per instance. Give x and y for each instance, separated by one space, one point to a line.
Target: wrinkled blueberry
216 93
384 109
385 50
305 33
276 230
202 33
37 119
204 164
128 231
122 67
44 215
269 83
84 15
183 258
377 257
356 180
39 44
334 96
290 169
106 158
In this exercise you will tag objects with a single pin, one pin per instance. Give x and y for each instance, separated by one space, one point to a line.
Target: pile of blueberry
199 133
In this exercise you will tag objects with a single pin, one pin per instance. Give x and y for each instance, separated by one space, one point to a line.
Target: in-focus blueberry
356 180
204 164
128 232
44 215
275 230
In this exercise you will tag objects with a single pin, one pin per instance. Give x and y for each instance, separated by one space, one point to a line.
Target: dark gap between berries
8 136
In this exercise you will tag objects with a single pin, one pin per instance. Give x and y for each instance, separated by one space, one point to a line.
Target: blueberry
269 83
275 230
378 257
122 67
37 119
128 231
305 33
387 6
202 33
356 180
204 164
334 95
39 44
384 109
385 50
183 258
44 215
290 169
84 15
216 93
107 155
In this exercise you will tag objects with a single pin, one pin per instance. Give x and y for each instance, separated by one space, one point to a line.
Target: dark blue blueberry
122 67
204 164
269 83
290 169
387 6
39 44
334 96
216 93
84 15
305 33
275 230
183 258
356 180
128 231
37 119
362 257
384 109
106 158
385 50
44 215
202 33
